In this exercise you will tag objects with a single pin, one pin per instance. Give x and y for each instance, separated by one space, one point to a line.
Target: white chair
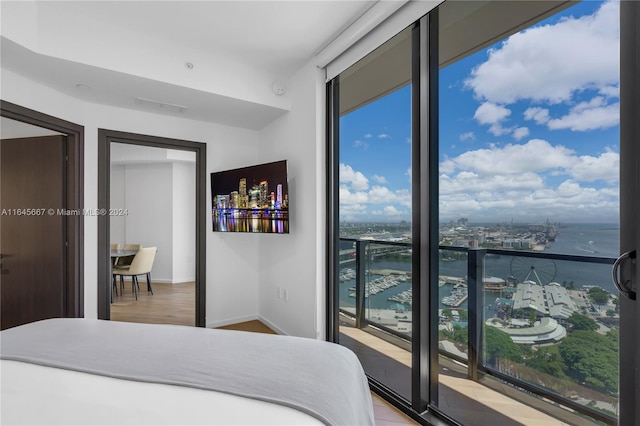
140 265
126 260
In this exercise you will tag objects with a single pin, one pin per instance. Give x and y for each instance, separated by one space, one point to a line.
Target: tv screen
251 199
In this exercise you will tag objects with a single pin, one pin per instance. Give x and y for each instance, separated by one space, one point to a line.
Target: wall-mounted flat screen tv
251 199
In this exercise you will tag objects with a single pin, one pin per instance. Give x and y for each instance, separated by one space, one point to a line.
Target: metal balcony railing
363 254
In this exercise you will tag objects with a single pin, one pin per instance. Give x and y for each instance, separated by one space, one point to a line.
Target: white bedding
79 371
37 395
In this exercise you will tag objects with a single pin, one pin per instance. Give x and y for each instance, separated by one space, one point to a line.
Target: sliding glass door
481 285
373 162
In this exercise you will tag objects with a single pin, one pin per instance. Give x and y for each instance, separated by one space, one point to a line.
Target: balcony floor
467 401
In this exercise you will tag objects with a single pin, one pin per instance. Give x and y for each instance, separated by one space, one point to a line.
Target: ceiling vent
164 106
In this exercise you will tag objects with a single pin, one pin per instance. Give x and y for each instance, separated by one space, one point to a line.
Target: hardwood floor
175 304
169 304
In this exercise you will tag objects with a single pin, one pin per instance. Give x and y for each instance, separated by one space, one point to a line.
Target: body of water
593 240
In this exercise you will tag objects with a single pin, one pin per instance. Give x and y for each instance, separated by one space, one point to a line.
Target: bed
81 371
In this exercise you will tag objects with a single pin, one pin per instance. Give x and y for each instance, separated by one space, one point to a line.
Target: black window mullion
333 213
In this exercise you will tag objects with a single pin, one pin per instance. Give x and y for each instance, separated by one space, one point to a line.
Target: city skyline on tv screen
251 199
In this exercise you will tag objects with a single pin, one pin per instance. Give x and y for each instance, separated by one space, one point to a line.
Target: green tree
599 296
547 361
591 359
582 322
616 303
498 345
461 334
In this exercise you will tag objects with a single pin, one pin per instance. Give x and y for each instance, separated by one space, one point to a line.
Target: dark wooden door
32 229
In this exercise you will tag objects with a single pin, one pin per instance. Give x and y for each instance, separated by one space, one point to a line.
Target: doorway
54 289
106 142
153 205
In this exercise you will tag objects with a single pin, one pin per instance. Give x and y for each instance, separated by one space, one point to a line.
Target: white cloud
379 179
535 156
588 116
604 167
357 180
569 201
359 144
348 197
490 113
610 91
467 136
383 136
498 130
520 133
471 183
552 62
537 114
390 211
380 194
368 136
528 182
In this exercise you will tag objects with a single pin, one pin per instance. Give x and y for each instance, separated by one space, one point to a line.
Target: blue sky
529 130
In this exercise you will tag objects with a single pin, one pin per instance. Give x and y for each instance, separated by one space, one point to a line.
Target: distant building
551 300
547 330
560 304
493 283
530 296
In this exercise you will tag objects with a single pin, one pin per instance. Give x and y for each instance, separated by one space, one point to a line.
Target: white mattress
38 395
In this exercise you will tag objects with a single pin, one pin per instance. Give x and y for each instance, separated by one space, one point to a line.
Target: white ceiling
270 37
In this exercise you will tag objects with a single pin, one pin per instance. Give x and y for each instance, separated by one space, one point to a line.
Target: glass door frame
629 345
424 373
424 181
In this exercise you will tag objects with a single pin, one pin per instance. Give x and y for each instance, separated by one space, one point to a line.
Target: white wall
159 199
149 219
117 201
295 262
184 222
232 275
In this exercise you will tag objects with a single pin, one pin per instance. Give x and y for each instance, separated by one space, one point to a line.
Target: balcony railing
503 313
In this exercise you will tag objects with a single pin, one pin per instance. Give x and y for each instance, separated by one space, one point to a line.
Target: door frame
105 138
629 344
74 198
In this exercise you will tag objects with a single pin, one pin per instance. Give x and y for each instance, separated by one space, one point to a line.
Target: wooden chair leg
149 283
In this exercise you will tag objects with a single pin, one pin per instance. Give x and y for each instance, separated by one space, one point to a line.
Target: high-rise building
234 200
242 189
254 197
279 196
264 194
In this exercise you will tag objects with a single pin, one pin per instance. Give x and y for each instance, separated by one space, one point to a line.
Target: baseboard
271 325
222 323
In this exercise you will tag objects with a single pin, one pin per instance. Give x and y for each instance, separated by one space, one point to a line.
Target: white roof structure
552 299
530 295
559 302
546 331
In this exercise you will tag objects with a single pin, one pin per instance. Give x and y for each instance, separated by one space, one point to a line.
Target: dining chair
141 264
126 260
